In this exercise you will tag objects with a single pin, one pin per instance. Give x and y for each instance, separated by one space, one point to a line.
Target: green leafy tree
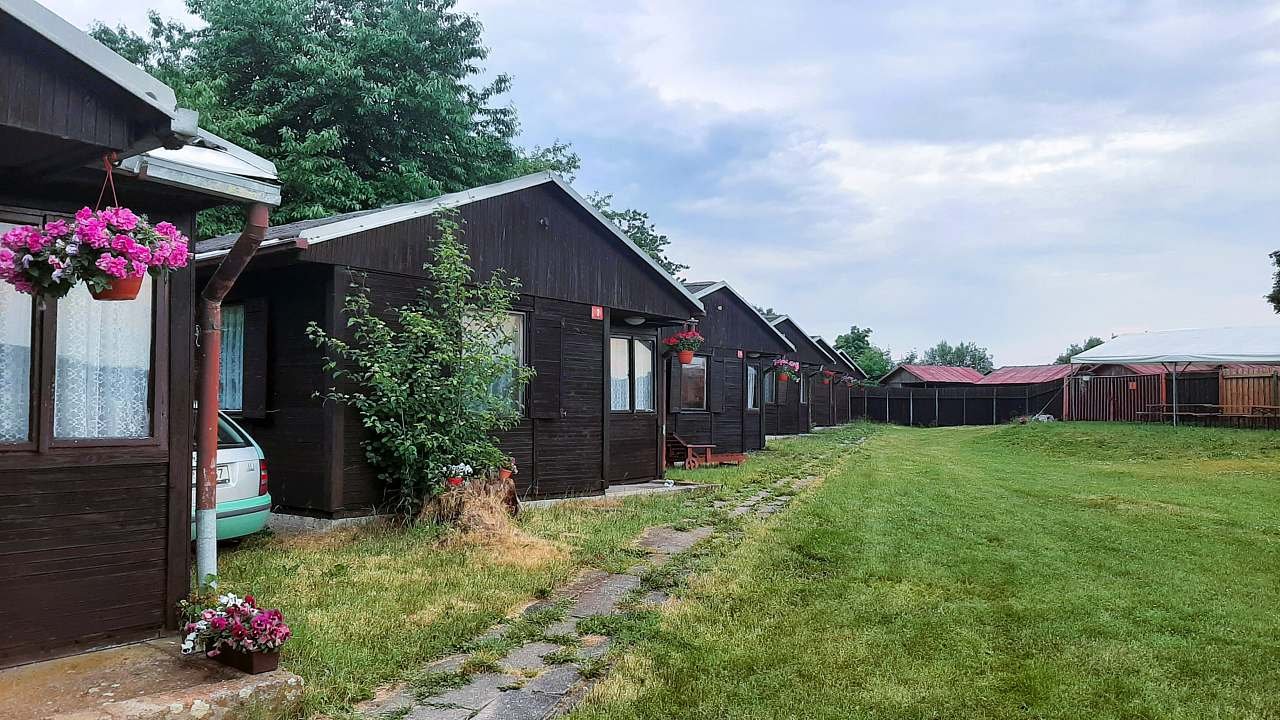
911 358
855 341
965 354
875 362
640 229
423 381
1274 296
768 313
1073 349
360 103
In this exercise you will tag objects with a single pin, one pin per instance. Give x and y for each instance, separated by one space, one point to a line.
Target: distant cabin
718 398
930 376
588 318
788 405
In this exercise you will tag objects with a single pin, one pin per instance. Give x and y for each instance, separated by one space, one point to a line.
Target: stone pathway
546 676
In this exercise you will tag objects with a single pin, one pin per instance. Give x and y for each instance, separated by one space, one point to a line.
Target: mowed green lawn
1049 571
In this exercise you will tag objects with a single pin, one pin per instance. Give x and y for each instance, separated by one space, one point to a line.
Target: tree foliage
640 229
876 362
360 103
1074 349
1274 296
854 341
965 354
423 381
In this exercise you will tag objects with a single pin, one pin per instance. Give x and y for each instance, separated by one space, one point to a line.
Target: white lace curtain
102 380
15 365
619 374
231 374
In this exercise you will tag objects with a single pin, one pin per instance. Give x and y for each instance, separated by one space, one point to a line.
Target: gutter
210 351
208 182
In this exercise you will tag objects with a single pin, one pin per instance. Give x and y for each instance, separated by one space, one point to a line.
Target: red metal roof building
1027 374
931 376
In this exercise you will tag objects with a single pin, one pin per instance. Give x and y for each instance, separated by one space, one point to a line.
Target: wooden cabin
95 418
788 405
838 404
930 376
587 319
717 399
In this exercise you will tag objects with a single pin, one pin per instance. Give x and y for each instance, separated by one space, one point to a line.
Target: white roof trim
823 347
779 319
102 60
1253 345
172 172
853 363
722 285
422 208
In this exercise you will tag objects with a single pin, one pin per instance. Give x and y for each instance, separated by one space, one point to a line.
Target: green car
244 505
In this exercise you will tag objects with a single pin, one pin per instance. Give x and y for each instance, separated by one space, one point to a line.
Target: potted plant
456 475
685 343
111 251
234 631
508 469
786 368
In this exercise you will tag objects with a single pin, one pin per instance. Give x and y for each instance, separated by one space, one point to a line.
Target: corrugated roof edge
408 211
721 284
103 60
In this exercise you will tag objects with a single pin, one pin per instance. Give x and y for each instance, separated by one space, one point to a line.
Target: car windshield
229 436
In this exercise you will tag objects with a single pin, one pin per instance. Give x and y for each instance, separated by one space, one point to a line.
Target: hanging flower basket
826 376
685 343
111 251
786 368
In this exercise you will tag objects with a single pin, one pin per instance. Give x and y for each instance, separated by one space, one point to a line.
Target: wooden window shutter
674 378
548 354
255 359
715 385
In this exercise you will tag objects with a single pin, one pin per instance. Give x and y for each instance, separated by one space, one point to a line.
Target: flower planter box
686 357
120 289
247 662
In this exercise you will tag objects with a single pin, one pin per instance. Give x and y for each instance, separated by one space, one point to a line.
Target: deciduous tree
965 354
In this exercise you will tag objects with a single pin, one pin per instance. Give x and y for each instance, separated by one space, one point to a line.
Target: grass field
372 606
1048 571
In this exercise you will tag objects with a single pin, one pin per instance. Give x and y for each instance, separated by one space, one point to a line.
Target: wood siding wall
1240 392
1112 397
95 537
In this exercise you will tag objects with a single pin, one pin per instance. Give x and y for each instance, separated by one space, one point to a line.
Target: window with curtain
693 384
771 388
15 363
513 346
642 370
619 374
752 377
231 375
803 383
102 381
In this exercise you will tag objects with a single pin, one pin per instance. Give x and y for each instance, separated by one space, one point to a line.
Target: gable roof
779 319
705 288
1026 374
852 363
826 349
939 373
102 60
313 232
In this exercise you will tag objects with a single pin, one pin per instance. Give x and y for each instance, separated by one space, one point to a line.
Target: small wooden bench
692 455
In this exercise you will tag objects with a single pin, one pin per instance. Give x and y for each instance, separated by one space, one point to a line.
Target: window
693 384
753 376
771 388
631 375
15 363
102 381
619 374
231 374
803 382
642 371
513 347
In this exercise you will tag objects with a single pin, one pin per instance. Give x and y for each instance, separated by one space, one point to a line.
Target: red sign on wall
740 355
597 312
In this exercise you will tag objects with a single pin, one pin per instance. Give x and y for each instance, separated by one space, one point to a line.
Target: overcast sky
1020 174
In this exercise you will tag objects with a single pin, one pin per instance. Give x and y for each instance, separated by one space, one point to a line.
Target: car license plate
224 474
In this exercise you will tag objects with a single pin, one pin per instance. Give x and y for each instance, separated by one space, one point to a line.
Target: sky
1018 174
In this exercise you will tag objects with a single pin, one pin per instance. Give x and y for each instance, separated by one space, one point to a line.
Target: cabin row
96 421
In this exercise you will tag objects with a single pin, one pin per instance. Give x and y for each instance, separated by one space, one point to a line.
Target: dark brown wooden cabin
788 405
836 389
718 399
95 418
587 319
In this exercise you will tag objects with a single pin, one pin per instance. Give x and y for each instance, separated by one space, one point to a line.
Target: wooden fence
951 406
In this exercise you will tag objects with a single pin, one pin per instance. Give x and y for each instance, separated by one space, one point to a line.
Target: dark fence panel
950 406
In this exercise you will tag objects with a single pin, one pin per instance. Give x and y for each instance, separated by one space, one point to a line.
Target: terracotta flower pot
120 289
784 377
686 356
252 663
504 474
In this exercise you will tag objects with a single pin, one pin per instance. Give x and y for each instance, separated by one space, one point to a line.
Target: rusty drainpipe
210 352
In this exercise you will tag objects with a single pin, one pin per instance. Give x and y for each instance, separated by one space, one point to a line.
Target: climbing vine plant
434 379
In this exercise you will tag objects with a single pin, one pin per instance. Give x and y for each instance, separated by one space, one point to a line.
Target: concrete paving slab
477 693
528 657
520 705
604 599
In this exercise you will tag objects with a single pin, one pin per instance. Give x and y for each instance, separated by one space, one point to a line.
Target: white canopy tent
1171 348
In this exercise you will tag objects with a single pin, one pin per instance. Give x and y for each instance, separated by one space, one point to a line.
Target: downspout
210 352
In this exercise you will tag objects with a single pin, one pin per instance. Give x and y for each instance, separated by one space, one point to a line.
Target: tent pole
1175 394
